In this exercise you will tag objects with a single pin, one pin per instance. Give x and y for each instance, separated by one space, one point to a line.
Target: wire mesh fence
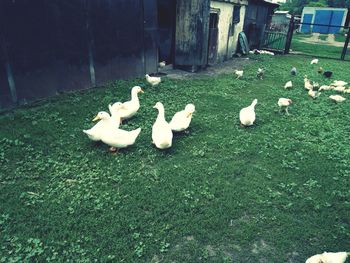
321 40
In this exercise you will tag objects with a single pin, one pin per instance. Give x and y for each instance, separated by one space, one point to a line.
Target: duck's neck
134 97
161 115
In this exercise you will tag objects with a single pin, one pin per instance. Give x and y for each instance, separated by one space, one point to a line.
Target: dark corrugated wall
49 46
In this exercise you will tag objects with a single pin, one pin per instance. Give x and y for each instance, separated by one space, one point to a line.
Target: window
236 14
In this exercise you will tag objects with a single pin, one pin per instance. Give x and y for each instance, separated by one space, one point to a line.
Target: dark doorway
213 37
166 29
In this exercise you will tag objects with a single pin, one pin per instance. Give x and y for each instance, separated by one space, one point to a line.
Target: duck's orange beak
142 91
96 118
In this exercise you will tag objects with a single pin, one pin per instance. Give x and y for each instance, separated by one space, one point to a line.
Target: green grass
318 50
275 192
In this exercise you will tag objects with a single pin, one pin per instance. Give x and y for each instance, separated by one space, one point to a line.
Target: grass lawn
276 192
319 50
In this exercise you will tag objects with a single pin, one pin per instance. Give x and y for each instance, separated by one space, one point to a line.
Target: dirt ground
220 68
330 41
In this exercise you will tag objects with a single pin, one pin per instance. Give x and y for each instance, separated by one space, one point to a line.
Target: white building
226 22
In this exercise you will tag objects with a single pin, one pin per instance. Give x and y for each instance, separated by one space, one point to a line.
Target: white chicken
314 61
260 73
162 64
154 81
247 114
328 257
288 85
314 94
325 87
337 98
307 84
284 103
239 73
339 83
339 88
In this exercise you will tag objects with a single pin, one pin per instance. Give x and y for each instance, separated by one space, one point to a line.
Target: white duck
288 85
115 114
162 136
328 257
239 73
284 103
154 81
128 108
314 61
247 114
106 122
182 119
337 98
116 138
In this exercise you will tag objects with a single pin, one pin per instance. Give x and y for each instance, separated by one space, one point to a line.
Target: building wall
227 43
48 47
312 10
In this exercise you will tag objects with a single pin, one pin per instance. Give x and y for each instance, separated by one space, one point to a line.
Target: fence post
345 48
289 35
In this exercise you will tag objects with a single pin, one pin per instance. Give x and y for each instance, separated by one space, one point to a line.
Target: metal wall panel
31 48
150 35
71 43
322 17
117 35
50 46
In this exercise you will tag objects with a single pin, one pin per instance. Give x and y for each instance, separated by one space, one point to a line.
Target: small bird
284 103
314 61
288 85
315 85
325 87
239 73
293 71
339 89
328 257
154 81
313 94
328 74
162 64
260 73
247 114
307 84
320 70
337 98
